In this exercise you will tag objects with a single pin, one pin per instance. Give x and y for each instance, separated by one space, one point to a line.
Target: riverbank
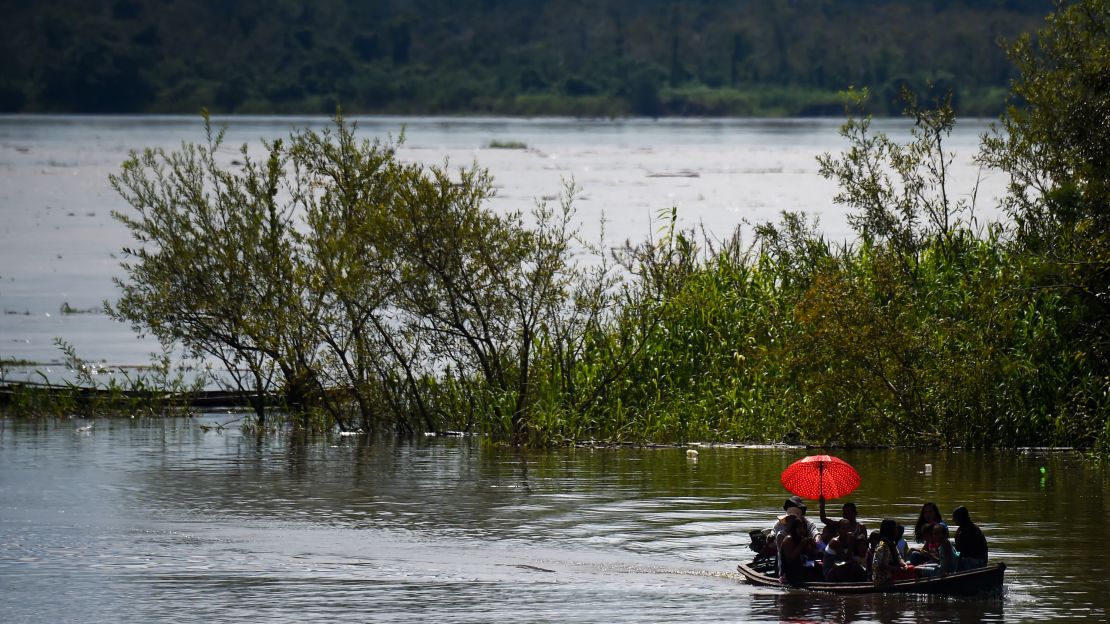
695 101
545 57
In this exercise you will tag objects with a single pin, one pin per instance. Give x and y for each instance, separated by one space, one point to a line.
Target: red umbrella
820 475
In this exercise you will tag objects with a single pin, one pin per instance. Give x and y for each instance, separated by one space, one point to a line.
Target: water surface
139 521
59 244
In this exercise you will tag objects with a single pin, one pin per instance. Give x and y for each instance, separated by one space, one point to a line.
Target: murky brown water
139 521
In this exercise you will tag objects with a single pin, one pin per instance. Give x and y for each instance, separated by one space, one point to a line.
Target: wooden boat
966 583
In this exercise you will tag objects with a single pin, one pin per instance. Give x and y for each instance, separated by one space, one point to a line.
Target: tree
1054 144
352 282
899 191
213 269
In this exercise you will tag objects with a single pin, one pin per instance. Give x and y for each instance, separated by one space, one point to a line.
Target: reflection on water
799 606
154 520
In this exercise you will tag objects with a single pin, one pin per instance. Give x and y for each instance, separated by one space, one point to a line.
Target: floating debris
684 173
518 145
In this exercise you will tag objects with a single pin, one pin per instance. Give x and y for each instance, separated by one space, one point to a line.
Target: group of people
842 550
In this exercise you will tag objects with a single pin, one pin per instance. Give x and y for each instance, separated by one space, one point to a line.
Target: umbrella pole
821 480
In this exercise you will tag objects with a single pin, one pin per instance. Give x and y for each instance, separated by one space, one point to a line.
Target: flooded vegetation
560 381
367 293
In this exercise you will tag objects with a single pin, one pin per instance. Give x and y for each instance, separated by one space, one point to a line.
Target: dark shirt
971 543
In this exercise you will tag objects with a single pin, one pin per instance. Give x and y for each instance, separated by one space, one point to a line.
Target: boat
761 572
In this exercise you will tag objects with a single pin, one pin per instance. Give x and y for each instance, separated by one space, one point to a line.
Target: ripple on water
156 521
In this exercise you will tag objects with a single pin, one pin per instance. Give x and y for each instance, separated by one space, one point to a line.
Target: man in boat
970 541
847 512
794 502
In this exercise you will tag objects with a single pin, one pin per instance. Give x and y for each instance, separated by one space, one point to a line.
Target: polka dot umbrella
820 476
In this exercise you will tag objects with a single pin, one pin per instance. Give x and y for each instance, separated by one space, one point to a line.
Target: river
162 520
139 521
60 245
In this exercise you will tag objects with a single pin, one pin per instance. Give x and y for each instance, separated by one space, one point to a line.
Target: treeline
528 57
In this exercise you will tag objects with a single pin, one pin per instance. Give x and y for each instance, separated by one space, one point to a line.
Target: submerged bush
345 280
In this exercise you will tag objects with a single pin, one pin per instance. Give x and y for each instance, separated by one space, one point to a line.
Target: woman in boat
946 555
886 565
969 541
930 514
797 545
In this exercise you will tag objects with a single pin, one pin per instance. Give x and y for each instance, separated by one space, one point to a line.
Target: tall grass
795 340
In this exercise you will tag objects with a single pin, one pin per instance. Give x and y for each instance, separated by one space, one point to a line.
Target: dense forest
518 57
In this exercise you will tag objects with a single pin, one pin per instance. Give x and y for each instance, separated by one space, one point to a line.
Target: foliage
344 279
1055 146
377 294
534 57
157 390
213 270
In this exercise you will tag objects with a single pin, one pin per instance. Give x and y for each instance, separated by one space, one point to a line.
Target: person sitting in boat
794 502
847 512
886 565
903 547
930 514
970 541
779 531
828 533
946 555
930 550
840 560
872 544
796 550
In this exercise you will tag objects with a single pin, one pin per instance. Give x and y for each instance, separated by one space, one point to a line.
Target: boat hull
967 583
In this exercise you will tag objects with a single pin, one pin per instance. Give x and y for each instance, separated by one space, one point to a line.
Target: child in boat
840 562
828 532
886 565
969 541
946 555
930 550
872 544
903 547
